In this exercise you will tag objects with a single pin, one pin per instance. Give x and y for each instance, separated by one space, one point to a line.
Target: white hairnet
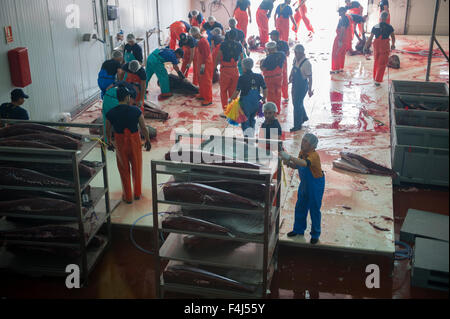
299 48
384 16
311 139
134 66
211 19
216 31
270 106
232 22
131 37
247 63
117 54
194 13
271 45
194 31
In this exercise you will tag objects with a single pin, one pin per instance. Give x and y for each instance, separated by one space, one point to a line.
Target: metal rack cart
89 222
258 255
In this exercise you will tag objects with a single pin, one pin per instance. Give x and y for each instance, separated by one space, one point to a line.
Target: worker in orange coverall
176 29
381 47
354 7
272 67
384 7
342 42
188 44
125 120
262 19
282 15
282 46
196 18
300 14
243 15
228 57
205 69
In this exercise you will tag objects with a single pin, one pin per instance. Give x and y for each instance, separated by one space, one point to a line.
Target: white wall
421 14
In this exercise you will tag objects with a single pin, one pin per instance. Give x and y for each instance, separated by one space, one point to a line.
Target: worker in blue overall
110 99
109 71
249 87
155 65
311 189
132 50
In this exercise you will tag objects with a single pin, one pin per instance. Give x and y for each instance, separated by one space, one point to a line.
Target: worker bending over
357 21
249 88
311 189
381 47
135 74
205 64
355 8
229 54
108 73
262 19
282 46
282 15
188 44
342 42
125 120
272 67
196 18
14 110
156 65
300 14
301 79
176 29
240 13
211 25
132 50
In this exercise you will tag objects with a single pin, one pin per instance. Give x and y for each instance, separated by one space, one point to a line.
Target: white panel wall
421 14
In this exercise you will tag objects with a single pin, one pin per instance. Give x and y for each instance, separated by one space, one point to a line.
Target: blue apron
299 90
250 106
104 81
129 56
240 63
310 195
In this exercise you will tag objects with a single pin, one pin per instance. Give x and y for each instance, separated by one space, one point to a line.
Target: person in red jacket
272 67
240 13
300 14
282 46
205 67
262 19
282 15
342 42
381 48
176 29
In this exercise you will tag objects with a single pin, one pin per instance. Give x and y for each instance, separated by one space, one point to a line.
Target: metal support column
433 34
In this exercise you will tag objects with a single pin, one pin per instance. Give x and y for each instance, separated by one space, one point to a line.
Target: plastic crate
430 103
421 119
419 164
420 88
421 136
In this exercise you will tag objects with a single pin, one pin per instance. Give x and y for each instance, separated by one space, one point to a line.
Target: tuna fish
194 225
56 170
151 112
190 275
358 164
182 86
11 176
205 195
39 206
26 144
31 128
56 140
49 233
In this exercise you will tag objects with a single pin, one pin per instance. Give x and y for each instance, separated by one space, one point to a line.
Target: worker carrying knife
126 120
311 189
155 65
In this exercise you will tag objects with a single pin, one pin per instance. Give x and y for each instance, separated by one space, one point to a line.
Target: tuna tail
373 167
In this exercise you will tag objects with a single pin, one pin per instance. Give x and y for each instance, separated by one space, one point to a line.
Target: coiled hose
405 253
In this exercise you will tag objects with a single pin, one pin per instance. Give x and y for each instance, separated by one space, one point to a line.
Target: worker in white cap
196 18
132 50
108 73
135 74
205 67
211 25
311 188
271 127
272 67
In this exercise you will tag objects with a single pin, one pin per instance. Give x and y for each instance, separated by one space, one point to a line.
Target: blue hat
18 94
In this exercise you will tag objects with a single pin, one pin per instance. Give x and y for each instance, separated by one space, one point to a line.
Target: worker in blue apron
132 50
311 189
110 100
249 87
109 71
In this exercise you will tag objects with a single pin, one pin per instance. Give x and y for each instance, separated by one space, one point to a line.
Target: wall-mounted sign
8 34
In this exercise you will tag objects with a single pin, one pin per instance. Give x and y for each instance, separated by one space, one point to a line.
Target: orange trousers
129 153
358 11
381 51
229 76
338 55
285 83
176 29
242 20
282 26
274 80
263 25
300 15
205 79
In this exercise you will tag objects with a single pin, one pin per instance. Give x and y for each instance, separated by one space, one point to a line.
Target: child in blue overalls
311 189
